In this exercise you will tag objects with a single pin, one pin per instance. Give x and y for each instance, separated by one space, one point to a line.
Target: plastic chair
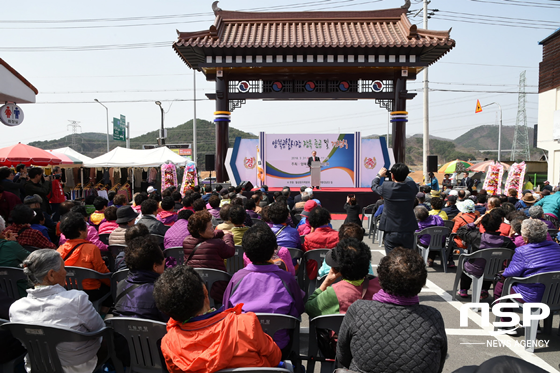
175 252
31 248
271 323
305 283
159 238
10 366
302 240
554 234
494 263
210 276
104 238
369 216
437 243
40 341
116 278
330 322
75 276
235 263
256 220
551 297
143 337
9 277
298 255
449 224
114 251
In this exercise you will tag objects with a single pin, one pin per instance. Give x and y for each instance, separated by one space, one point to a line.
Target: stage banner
372 159
244 161
516 175
286 159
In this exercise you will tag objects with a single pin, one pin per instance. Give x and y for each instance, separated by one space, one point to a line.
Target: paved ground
471 345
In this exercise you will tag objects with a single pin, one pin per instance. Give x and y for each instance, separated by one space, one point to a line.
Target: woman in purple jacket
538 255
425 220
489 239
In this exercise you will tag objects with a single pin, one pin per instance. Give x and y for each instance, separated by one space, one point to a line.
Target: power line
481 22
492 17
519 3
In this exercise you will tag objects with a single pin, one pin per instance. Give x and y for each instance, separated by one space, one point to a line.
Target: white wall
549 102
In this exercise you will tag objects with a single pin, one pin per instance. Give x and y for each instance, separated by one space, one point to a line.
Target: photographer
38 185
56 196
398 220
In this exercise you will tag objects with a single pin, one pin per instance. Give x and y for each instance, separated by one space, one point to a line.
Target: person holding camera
399 193
40 185
56 197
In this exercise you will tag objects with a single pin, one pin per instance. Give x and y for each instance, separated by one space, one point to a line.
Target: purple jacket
215 212
140 301
532 259
431 221
289 237
487 241
252 214
175 235
267 289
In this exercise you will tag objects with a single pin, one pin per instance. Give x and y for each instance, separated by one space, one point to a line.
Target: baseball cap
126 214
151 189
309 205
420 195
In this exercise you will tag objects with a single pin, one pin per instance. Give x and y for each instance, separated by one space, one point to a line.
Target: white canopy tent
122 157
72 153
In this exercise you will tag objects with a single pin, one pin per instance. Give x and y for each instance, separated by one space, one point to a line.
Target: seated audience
167 216
88 202
144 259
371 336
178 199
12 254
262 286
206 248
537 213
50 304
214 202
111 195
175 235
199 205
538 255
437 205
237 217
353 210
425 220
238 341
149 210
512 196
26 236
110 223
421 198
321 236
304 228
250 207
92 234
98 216
226 224
451 209
125 219
137 201
286 236
505 228
525 202
77 251
298 206
38 223
467 215
349 260
490 239
241 202
481 203
226 197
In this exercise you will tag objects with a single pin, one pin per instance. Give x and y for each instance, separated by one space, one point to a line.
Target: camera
57 176
388 175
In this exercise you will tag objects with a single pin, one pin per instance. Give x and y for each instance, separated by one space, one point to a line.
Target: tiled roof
382 28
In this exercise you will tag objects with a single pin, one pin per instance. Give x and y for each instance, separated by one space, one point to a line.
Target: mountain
95 144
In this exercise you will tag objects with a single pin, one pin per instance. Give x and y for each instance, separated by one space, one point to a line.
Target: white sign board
11 115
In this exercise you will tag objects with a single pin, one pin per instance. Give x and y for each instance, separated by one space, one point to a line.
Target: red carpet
337 190
342 216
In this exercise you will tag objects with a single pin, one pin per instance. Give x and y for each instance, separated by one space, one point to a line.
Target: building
549 104
14 87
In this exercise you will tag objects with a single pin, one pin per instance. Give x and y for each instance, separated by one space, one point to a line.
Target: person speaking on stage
399 193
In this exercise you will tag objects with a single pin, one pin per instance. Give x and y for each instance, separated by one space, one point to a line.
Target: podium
316 173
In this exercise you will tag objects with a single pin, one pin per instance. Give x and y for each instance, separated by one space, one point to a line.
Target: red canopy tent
27 155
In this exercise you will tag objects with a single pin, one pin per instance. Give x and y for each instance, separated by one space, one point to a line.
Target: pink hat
309 205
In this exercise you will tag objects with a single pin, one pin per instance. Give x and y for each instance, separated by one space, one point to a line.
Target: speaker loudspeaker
209 162
432 163
246 185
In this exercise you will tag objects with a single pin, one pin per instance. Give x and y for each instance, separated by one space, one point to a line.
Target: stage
333 199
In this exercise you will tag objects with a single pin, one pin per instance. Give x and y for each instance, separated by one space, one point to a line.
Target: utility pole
520 149
75 129
194 120
128 135
426 132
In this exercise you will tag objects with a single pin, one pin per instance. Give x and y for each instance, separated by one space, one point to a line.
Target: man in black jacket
467 181
398 220
37 185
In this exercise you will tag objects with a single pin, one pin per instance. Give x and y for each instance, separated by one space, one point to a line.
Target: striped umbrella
454 166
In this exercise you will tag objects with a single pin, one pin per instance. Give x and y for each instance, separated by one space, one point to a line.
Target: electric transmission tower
520 149
76 128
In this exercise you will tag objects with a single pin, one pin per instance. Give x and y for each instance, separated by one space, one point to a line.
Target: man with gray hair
298 207
537 213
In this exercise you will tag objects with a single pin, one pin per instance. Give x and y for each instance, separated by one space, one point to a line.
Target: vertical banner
244 158
493 180
371 160
286 159
516 175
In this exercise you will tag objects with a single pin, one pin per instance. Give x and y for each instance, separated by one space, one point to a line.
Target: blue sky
487 57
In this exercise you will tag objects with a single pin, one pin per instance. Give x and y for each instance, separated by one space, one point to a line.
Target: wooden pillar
399 120
221 120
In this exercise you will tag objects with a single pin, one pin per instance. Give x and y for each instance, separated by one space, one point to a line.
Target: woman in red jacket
321 236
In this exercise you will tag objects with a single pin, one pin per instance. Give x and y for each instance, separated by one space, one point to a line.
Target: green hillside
95 144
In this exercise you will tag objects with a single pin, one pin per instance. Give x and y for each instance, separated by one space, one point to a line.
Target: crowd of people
216 328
